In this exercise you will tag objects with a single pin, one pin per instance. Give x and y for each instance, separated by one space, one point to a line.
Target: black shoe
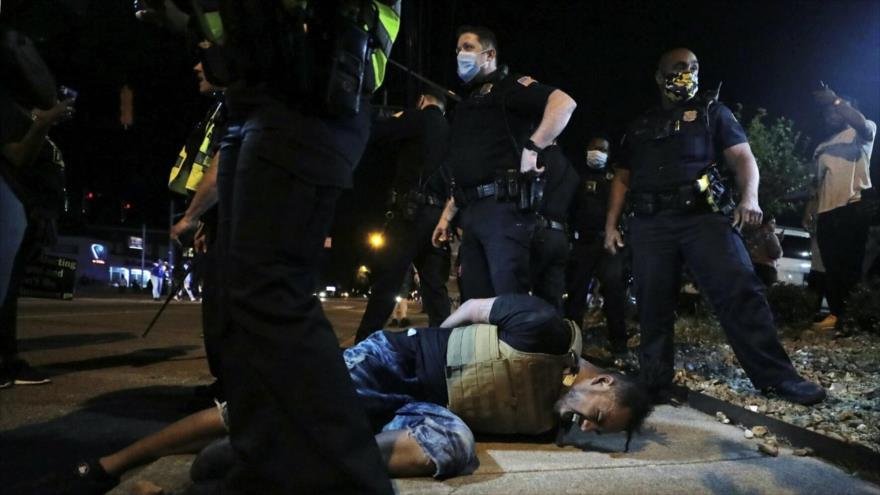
404 323
799 391
23 374
393 323
88 478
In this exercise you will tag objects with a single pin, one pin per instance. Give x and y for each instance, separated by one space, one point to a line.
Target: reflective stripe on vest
495 388
183 177
384 33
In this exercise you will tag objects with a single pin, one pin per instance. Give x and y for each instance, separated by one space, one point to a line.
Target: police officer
553 192
194 175
297 124
496 134
588 258
418 195
665 151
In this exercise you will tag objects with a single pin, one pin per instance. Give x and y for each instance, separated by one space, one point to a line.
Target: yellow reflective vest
187 174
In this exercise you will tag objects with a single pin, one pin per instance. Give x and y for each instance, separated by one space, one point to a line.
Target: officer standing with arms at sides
195 175
495 136
297 78
553 193
665 151
588 257
419 193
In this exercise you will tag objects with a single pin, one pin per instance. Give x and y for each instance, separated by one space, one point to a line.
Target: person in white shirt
843 162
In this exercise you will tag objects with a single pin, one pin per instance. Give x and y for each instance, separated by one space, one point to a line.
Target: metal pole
170 225
143 252
450 94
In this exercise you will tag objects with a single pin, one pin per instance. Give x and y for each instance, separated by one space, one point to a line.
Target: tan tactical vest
495 388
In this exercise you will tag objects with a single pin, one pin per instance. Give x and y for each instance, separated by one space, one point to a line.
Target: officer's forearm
206 194
616 198
556 115
450 210
744 165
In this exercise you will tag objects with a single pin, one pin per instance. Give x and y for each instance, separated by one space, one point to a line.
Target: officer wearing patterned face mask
668 170
588 259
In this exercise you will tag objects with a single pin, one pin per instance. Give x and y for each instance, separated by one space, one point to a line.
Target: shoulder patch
526 81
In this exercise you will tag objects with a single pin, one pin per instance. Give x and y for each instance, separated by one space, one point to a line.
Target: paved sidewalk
112 387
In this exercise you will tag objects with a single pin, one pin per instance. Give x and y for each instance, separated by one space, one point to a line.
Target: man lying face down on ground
505 365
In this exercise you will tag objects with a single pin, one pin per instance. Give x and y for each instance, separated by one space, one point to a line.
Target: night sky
769 54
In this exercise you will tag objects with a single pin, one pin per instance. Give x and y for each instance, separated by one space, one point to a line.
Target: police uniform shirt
490 127
526 323
591 201
665 149
423 136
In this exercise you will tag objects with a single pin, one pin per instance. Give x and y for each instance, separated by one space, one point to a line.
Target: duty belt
683 200
542 222
472 194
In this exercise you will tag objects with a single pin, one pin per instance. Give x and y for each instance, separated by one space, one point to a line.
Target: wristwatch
530 145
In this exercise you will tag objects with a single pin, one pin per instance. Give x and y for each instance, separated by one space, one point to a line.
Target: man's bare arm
616 199
204 199
472 311
441 231
557 113
22 153
740 158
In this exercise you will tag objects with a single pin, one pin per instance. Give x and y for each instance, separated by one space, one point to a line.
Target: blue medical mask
467 65
596 159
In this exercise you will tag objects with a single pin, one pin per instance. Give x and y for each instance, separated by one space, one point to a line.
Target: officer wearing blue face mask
665 152
496 136
588 259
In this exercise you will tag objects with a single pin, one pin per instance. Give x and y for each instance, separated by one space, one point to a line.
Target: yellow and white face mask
681 86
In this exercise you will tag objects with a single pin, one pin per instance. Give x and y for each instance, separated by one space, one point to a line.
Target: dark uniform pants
843 234
720 264
547 265
494 249
296 425
589 258
409 242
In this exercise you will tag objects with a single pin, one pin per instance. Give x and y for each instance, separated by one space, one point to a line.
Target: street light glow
376 240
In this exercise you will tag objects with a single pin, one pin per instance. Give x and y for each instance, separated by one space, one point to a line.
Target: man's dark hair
632 395
486 36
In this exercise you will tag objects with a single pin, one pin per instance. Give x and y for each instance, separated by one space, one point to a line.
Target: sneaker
404 323
23 374
828 323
